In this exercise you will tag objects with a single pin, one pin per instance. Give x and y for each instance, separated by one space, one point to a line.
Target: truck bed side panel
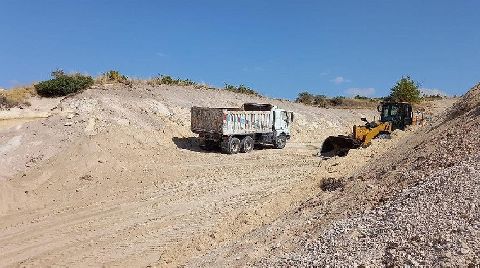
247 122
206 120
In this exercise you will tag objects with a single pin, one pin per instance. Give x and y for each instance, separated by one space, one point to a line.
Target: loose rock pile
436 222
431 216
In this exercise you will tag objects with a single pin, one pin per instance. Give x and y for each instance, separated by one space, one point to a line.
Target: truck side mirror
379 108
291 115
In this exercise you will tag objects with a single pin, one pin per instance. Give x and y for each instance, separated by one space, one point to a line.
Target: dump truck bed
230 121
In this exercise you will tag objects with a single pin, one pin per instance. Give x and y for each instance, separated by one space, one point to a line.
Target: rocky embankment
428 212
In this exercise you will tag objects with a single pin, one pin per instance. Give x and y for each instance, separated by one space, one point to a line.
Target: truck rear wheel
231 146
246 144
280 142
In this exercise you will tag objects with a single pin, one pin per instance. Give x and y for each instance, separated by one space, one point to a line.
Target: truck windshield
285 117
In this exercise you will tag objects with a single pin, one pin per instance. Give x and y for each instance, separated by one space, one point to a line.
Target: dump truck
393 115
239 129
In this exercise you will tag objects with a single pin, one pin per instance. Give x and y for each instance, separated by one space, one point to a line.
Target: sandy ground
113 177
415 205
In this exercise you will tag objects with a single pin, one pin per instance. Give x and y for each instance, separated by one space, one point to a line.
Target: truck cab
282 121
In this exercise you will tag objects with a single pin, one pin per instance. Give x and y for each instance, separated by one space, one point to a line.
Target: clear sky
280 48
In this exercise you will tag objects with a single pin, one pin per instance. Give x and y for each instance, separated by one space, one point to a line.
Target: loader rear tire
231 145
246 144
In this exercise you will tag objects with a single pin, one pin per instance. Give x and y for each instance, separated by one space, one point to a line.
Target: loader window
386 112
390 111
393 111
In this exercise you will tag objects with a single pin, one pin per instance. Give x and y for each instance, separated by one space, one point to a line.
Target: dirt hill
416 204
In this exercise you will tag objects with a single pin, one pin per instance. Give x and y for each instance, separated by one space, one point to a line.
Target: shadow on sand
192 144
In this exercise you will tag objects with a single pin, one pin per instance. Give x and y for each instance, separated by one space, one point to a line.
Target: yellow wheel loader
393 115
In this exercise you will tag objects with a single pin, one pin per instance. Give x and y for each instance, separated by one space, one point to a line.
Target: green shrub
63 84
242 89
405 90
168 80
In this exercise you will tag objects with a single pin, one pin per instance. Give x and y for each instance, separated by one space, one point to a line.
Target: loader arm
367 134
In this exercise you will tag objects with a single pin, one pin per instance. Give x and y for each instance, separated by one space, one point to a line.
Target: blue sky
277 47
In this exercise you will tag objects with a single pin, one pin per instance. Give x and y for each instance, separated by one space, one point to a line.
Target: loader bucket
338 146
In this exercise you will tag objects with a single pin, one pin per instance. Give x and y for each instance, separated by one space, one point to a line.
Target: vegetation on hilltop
340 101
405 90
113 76
63 84
171 81
242 89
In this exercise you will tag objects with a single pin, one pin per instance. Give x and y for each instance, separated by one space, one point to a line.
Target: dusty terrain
113 177
414 204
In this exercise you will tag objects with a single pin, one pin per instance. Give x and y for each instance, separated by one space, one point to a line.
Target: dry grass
113 76
16 97
358 104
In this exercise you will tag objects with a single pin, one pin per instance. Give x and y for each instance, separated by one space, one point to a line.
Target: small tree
406 89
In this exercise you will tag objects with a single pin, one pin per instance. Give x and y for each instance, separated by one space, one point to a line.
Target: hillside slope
420 205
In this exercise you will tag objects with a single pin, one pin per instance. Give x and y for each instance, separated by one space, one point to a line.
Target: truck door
281 121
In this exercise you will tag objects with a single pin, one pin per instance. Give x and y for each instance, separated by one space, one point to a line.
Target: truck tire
246 145
280 142
231 145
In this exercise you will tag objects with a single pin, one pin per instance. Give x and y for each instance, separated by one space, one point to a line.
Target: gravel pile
436 222
431 216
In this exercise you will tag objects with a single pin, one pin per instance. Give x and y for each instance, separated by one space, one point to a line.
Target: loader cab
399 113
